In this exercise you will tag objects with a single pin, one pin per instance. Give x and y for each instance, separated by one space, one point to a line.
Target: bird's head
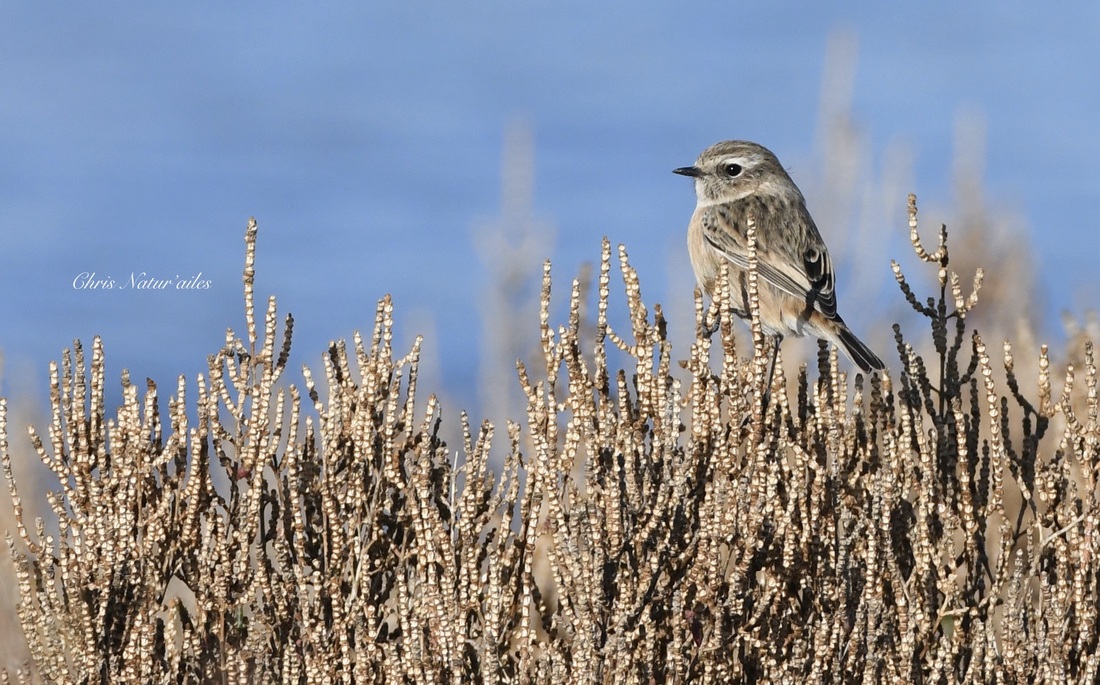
734 169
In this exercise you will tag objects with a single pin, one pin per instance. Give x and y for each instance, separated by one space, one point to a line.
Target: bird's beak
693 171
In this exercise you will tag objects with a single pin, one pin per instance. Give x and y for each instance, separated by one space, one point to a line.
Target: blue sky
366 139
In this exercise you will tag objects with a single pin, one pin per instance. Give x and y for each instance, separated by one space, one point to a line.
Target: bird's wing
799 265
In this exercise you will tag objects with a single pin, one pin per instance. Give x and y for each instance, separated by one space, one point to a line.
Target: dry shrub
646 526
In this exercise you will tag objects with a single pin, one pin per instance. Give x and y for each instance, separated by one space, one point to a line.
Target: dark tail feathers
859 353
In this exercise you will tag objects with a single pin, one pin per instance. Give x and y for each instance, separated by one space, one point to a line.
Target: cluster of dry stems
650 525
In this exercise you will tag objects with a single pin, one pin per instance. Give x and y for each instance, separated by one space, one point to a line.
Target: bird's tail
859 353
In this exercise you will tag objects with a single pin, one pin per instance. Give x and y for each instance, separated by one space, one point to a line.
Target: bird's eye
732 170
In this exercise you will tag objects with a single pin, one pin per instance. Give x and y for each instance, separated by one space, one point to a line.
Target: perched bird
736 179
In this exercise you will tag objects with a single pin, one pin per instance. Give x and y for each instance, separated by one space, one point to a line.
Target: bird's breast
705 260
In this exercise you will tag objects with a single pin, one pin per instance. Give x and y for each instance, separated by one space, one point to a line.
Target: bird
736 179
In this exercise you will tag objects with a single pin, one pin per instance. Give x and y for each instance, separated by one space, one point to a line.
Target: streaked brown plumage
734 179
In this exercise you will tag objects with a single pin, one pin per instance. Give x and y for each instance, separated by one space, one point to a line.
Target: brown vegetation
651 524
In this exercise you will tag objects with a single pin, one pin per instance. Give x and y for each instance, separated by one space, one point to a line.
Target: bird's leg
708 331
776 339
